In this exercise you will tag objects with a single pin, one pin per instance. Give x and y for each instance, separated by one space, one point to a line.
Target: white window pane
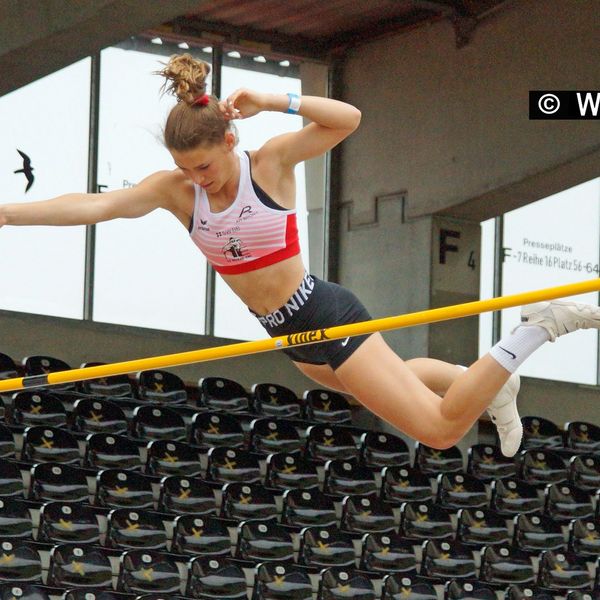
232 318
486 283
42 268
553 242
148 272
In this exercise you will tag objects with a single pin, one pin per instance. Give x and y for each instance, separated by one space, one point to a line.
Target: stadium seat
66 523
503 566
200 534
8 367
142 571
81 566
97 415
486 462
11 480
268 435
36 408
324 442
160 386
216 577
539 432
386 552
400 586
277 580
534 532
460 490
433 462
564 502
405 484
117 488
562 571
259 541
526 592
422 521
49 444
346 583
225 465
443 559
366 514
512 496
167 457
155 422
481 527
308 507
326 406
584 537
182 495
323 547
584 471
463 589
54 482
540 467
108 451
116 385
42 365
344 477
582 436
10 591
379 449
7 442
20 562
290 471
15 519
210 430
133 529
273 400
219 393
242 501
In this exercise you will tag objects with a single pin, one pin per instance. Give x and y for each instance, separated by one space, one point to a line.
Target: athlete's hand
243 103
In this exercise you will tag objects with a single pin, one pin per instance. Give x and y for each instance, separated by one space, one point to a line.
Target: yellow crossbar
299 339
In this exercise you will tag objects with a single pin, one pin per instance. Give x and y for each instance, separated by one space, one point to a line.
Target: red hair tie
202 100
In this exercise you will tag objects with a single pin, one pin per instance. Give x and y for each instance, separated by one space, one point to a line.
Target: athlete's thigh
322 374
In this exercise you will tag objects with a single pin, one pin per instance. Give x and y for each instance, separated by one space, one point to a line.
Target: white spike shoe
560 317
505 416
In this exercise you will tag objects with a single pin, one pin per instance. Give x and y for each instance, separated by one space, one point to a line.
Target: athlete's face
208 166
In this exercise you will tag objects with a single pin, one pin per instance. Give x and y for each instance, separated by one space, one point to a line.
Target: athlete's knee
442 439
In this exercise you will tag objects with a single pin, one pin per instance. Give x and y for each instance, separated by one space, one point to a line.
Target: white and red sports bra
254 232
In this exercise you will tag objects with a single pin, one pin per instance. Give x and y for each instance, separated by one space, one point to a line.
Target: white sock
512 350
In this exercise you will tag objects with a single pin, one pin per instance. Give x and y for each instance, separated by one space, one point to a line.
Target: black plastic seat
324 442
564 502
326 406
200 534
36 408
343 477
526 592
19 562
166 457
68 523
216 577
226 465
365 514
581 595
422 521
535 532
15 519
539 432
273 400
142 571
182 495
379 449
460 490
486 462
584 537
323 547
290 471
111 451
79 566
562 571
97 415
259 541
443 559
241 501
155 422
268 435
405 484
132 530
386 552
433 462
308 507
11 480
8 367
541 467
502 565
584 471
401 586
9 591
49 444
157 385
582 436
345 583
219 393
481 527
57 482
117 488
511 496
210 430
7 442
115 385
42 365
468 589
276 580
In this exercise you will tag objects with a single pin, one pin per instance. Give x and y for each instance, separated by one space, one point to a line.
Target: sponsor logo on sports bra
234 250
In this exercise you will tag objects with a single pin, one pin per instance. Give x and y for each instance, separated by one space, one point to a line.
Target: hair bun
185 77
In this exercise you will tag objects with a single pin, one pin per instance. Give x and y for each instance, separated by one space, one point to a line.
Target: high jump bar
433 315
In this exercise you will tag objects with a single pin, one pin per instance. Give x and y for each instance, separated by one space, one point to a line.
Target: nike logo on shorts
345 342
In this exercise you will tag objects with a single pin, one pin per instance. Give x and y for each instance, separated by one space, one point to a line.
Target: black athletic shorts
318 304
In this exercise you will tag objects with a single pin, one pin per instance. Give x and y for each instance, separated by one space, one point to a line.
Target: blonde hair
196 119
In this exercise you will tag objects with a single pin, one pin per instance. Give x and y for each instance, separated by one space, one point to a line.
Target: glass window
42 268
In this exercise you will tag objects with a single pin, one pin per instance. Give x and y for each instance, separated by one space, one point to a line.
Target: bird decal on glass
27 170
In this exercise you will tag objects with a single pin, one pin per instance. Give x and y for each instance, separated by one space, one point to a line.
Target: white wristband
294 105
